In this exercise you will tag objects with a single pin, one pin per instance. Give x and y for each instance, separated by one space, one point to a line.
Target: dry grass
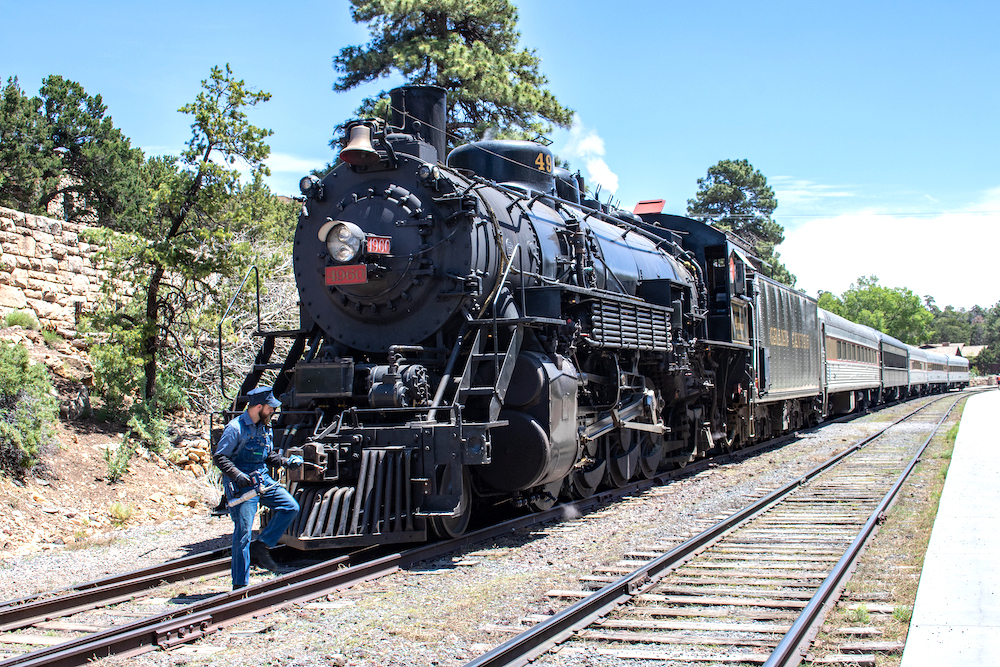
889 570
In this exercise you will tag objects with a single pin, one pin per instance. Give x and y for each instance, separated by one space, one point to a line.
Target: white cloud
586 145
151 151
800 192
300 165
932 254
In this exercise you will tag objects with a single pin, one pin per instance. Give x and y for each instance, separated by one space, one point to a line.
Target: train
474 331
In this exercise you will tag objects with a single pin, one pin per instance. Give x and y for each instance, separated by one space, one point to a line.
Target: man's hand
241 480
294 460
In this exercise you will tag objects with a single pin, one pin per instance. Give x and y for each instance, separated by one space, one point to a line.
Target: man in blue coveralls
245 451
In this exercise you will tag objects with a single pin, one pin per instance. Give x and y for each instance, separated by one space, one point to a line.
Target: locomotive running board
343 541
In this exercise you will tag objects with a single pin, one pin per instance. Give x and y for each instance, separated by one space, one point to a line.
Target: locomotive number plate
379 245
347 275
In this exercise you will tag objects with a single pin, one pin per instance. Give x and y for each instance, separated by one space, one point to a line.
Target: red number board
379 245
347 275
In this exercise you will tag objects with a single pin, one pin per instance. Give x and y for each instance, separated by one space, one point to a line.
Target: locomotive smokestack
422 110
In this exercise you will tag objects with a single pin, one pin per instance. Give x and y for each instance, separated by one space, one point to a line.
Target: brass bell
359 150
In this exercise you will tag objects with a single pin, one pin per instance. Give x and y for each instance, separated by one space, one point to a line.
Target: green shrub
120 513
52 338
118 377
27 409
118 459
19 318
902 613
120 381
859 615
147 428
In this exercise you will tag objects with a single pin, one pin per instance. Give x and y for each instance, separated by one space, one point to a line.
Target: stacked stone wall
47 269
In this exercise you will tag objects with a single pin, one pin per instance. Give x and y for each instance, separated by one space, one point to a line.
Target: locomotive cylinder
539 445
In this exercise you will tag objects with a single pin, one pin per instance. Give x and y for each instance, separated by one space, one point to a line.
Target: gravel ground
120 551
448 611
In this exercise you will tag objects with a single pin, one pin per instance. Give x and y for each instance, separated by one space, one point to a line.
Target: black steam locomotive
477 333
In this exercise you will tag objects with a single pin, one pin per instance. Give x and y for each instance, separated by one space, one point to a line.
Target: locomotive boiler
474 331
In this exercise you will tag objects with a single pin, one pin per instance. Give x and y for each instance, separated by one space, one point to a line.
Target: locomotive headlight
344 241
426 172
311 187
345 253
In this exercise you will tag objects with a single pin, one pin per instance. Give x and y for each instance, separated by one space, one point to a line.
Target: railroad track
189 618
752 589
28 611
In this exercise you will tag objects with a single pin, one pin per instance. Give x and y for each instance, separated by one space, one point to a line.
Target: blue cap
262 395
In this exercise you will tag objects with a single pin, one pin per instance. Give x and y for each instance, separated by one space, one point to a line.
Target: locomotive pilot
245 450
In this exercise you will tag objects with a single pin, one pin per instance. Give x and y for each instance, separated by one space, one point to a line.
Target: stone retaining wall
46 268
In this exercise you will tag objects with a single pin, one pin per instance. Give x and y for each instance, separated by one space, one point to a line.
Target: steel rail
790 651
152 569
528 645
204 617
16 614
173 624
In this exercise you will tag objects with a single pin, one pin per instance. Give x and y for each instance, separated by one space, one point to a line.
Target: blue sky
875 122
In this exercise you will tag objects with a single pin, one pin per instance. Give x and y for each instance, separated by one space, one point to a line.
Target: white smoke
586 145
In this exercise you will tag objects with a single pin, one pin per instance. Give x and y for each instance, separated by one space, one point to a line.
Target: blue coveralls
247 445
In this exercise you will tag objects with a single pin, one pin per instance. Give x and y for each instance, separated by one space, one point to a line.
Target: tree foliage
61 144
949 325
26 409
469 48
988 360
893 310
735 197
189 239
977 326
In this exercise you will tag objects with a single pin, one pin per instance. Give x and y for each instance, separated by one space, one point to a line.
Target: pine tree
735 197
469 48
62 144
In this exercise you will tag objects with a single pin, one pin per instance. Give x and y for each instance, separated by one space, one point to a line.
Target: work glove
241 480
294 460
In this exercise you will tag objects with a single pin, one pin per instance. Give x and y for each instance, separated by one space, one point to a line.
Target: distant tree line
900 313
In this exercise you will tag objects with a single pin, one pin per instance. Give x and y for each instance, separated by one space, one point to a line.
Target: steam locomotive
477 332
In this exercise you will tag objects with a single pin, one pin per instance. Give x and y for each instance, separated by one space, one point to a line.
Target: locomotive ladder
470 355
503 361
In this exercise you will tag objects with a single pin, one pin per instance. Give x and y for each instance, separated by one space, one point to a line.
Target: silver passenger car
853 374
958 372
895 364
937 370
919 366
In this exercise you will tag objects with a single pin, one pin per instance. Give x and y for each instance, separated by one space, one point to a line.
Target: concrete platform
956 617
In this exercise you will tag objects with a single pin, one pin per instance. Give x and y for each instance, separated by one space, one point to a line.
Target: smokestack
423 111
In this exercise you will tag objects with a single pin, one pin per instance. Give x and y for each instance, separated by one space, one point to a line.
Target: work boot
222 508
260 555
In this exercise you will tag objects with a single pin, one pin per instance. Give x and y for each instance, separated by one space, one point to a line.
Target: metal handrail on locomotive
476 332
